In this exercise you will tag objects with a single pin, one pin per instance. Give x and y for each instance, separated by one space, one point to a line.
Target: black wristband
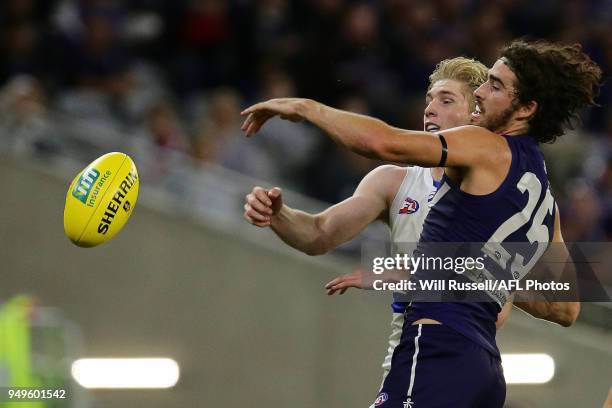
444 150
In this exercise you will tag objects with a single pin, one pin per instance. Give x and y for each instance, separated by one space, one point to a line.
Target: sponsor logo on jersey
410 206
83 186
408 403
382 397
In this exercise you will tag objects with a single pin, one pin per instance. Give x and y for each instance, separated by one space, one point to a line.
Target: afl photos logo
410 206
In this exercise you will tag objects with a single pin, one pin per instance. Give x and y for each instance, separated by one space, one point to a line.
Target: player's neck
514 129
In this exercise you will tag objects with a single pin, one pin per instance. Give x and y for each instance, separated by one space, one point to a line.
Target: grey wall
249 324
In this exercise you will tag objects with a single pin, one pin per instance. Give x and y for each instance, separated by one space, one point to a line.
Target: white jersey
406 217
411 205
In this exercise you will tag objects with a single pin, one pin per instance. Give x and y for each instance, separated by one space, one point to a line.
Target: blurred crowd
166 81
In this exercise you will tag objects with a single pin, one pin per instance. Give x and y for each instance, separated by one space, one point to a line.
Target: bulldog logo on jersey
382 397
410 206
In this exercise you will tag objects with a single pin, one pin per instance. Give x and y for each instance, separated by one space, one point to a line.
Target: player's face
447 106
496 99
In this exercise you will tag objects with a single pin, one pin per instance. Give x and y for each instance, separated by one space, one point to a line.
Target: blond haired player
398 196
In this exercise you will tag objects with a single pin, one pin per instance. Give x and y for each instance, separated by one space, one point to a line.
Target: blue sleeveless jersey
520 210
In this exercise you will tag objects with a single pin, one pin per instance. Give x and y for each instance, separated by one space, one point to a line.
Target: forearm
372 137
502 316
555 265
299 230
562 313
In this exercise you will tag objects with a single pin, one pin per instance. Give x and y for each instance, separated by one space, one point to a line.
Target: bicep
467 146
345 220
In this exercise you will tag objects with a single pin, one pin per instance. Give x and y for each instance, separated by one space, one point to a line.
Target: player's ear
527 111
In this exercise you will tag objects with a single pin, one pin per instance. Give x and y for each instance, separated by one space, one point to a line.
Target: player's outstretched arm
468 146
562 313
316 234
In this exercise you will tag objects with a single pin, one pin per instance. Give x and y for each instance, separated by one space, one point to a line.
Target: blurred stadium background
245 318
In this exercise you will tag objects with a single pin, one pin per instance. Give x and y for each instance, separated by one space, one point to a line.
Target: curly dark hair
560 78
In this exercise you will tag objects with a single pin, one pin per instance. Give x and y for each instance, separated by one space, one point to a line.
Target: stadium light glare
125 372
528 368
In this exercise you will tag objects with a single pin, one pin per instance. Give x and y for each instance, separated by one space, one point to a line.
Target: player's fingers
256 125
257 204
247 122
250 109
255 215
262 195
247 129
252 119
342 285
333 282
253 127
352 278
255 222
254 108
331 292
343 291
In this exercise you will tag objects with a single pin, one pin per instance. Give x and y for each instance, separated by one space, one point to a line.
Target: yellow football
100 200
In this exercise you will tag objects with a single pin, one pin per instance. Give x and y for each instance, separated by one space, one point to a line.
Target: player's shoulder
393 174
383 180
388 178
387 174
387 170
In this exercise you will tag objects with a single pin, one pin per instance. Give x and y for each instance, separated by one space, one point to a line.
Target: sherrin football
100 200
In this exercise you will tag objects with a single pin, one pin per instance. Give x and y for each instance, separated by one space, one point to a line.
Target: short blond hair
469 71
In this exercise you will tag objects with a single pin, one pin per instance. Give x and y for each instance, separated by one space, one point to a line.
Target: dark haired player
495 190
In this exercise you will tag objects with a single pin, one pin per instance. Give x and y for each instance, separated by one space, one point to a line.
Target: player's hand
258 114
261 205
341 284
